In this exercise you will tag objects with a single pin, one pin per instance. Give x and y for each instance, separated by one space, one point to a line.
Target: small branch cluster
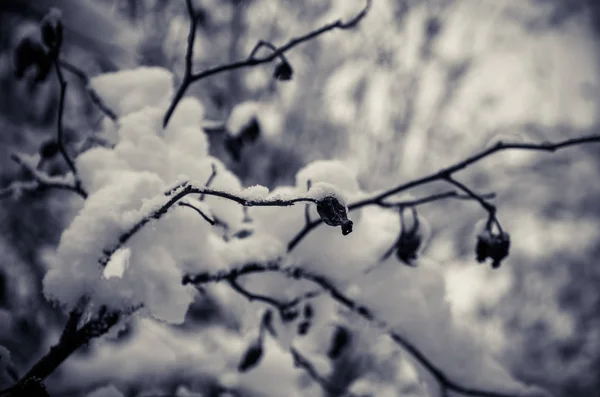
41 54
283 70
341 338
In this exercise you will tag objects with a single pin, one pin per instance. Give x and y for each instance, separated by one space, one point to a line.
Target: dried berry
267 322
341 339
49 149
28 53
252 356
303 327
243 233
283 71
51 28
308 311
494 246
333 213
410 241
289 314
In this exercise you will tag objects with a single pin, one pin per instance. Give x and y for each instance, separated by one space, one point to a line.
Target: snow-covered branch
363 311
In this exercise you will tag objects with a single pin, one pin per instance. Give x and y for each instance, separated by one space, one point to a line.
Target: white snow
240 117
131 90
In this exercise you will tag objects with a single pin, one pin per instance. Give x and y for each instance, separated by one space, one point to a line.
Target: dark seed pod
303 327
49 149
51 28
410 241
493 246
289 314
408 247
283 71
243 233
341 339
267 322
28 53
333 213
251 357
308 311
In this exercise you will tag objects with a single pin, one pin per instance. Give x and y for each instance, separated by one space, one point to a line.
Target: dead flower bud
252 356
410 241
49 149
28 53
408 246
289 314
494 246
283 71
334 213
52 31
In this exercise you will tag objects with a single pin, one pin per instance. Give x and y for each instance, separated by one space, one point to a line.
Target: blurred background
416 86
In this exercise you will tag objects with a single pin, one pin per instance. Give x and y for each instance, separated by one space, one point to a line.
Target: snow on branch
298 273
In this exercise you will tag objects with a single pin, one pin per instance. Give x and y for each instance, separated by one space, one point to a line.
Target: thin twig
338 296
211 178
444 173
489 207
190 77
251 296
304 363
299 359
199 211
186 189
91 92
59 129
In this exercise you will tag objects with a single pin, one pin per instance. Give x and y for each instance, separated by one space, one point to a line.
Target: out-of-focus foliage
416 86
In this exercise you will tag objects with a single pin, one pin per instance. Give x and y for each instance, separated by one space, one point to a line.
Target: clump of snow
128 91
320 190
188 113
241 116
118 263
330 171
128 184
97 166
255 193
256 248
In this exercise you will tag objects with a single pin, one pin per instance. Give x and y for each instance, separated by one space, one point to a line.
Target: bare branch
190 77
199 211
91 92
489 207
447 172
59 129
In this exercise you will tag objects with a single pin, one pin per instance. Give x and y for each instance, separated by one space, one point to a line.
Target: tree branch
91 92
190 77
445 173
59 129
183 190
339 297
